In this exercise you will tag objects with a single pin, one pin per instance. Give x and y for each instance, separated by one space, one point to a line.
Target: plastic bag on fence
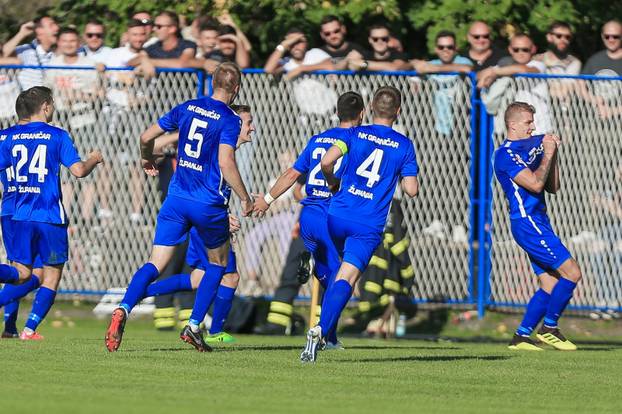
493 96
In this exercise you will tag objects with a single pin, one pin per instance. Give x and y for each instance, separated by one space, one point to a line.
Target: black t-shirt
602 65
493 59
393 55
155 51
339 55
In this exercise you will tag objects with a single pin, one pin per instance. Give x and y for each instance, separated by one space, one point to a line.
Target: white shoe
314 340
333 346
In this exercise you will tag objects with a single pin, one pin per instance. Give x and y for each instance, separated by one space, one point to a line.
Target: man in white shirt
93 37
293 55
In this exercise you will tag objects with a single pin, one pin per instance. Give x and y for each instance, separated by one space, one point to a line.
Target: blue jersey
36 151
377 157
203 125
308 163
511 158
8 187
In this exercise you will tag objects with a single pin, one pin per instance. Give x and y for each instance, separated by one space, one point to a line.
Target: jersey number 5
36 166
193 136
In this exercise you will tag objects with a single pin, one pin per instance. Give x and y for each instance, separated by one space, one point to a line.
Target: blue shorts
178 215
196 255
354 241
317 240
38 244
535 236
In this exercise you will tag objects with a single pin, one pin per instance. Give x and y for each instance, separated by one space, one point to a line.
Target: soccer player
377 156
198 197
35 150
313 217
195 255
526 166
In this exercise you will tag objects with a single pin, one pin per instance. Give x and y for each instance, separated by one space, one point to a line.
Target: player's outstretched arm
535 181
328 166
283 183
82 169
231 174
147 142
410 185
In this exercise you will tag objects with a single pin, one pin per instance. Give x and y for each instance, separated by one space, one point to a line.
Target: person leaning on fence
293 55
93 37
207 52
145 18
381 57
233 43
39 52
170 51
482 52
533 91
333 33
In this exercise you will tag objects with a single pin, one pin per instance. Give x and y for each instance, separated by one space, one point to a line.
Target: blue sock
10 317
560 296
535 312
138 286
172 284
206 293
8 274
335 300
12 293
44 299
332 335
222 306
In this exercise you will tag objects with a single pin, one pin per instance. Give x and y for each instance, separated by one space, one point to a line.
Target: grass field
154 372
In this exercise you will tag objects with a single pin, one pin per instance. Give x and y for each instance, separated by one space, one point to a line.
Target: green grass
70 372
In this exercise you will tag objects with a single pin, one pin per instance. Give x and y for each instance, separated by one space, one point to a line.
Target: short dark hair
96 23
379 26
349 106
558 23
330 18
29 102
226 76
445 33
387 101
38 20
226 29
68 30
135 23
241 108
209 25
295 30
174 19
515 108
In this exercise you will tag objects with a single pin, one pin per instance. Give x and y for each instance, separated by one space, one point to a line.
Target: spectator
226 20
607 62
93 37
232 47
293 56
207 41
481 50
447 60
557 58
333 33
381 57
532 91
39 52
145 18
169 51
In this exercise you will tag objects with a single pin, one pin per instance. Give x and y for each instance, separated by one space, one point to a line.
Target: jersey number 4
370 167
36 165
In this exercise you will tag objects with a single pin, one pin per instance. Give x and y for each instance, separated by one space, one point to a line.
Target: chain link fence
587 212
113 213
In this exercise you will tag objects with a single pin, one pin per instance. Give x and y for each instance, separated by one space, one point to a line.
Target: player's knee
231 280
575 274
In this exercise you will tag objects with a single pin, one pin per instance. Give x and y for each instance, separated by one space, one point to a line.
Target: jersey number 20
36 166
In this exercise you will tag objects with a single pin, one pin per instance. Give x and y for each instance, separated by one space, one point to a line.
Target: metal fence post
473 194
481 211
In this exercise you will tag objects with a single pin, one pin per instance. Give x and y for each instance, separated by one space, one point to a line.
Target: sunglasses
562 36
378 39
97 35
521 49
330 33
445 47
611 37
481 36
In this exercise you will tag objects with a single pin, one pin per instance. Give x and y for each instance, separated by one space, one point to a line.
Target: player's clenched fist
149 167
247 207
551 143
97 156
260 206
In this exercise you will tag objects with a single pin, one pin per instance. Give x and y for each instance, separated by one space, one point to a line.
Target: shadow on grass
357 347
428 358
611 344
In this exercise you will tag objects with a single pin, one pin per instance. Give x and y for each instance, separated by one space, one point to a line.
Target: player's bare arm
231 174
328 165
283 183
410 185
552 182
82 169
147 142
535 181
